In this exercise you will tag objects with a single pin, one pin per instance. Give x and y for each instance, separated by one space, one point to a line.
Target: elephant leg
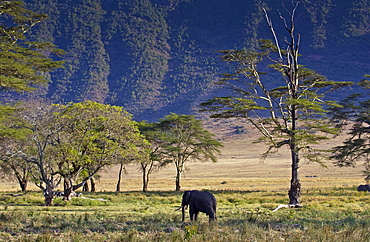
191 217
196 215
212 217
192 214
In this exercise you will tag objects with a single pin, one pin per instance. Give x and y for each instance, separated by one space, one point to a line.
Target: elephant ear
186 197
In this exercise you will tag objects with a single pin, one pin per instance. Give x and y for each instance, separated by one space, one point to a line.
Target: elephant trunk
184 207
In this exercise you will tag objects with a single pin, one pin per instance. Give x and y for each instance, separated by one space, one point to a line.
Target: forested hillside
158 56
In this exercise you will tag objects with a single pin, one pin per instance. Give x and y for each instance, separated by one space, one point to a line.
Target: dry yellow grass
238 168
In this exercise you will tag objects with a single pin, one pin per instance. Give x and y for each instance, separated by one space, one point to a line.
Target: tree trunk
92 182
145 180
49 194
295 185
178 176
22 180
118 187
147 168
68 189
23 184
85 187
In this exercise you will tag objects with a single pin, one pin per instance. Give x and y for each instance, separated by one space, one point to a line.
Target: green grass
327 215
246 190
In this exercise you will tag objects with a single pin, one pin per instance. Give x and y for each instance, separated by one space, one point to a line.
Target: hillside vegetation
154 56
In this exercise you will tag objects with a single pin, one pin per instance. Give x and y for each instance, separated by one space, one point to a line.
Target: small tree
139 156
37 149
94 136
156 159
289 111
11 166
184 139
12 136
354 112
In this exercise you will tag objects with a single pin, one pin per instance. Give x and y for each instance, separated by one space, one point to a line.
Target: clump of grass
31 198
87 202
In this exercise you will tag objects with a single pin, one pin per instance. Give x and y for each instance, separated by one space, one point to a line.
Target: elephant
199 201
363 188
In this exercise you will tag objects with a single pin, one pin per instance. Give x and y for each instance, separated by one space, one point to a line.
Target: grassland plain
247 192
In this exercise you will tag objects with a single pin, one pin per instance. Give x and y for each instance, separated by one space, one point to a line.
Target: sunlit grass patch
328 215
28 199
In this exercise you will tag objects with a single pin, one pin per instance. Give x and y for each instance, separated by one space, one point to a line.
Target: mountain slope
159 56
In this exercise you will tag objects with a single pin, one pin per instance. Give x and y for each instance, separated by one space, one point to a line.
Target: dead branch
286 206
269 23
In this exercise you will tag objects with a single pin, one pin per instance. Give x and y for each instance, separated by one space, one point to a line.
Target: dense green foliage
354 113
330 215
155 57
94 136
23 64
70 143
22 61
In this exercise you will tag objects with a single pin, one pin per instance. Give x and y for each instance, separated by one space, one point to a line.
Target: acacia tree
94 136
22 66
37 147
68 140
13 136
11 166
289 111
22 62
140 156
184 140
354 112
156 159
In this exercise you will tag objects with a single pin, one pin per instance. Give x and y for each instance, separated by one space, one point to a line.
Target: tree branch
269 23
